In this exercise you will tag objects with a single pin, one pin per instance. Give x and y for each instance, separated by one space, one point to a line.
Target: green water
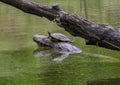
18 65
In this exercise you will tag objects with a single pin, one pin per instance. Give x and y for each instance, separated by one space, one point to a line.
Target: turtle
58 37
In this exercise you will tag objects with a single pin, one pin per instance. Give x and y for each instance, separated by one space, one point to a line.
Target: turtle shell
59 37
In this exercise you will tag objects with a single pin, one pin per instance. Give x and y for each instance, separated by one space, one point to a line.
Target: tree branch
96 34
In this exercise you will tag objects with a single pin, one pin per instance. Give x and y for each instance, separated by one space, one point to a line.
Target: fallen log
96 34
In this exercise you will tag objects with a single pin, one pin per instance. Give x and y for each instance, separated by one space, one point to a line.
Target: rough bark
96 34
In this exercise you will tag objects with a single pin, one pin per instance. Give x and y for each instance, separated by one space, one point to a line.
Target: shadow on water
115 81
51 54
57 54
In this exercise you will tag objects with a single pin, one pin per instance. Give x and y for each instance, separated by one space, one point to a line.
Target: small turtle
58 37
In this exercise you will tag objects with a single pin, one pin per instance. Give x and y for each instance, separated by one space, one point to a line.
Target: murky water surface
20 66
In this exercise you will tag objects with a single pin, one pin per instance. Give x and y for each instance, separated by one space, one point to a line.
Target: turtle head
49 34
